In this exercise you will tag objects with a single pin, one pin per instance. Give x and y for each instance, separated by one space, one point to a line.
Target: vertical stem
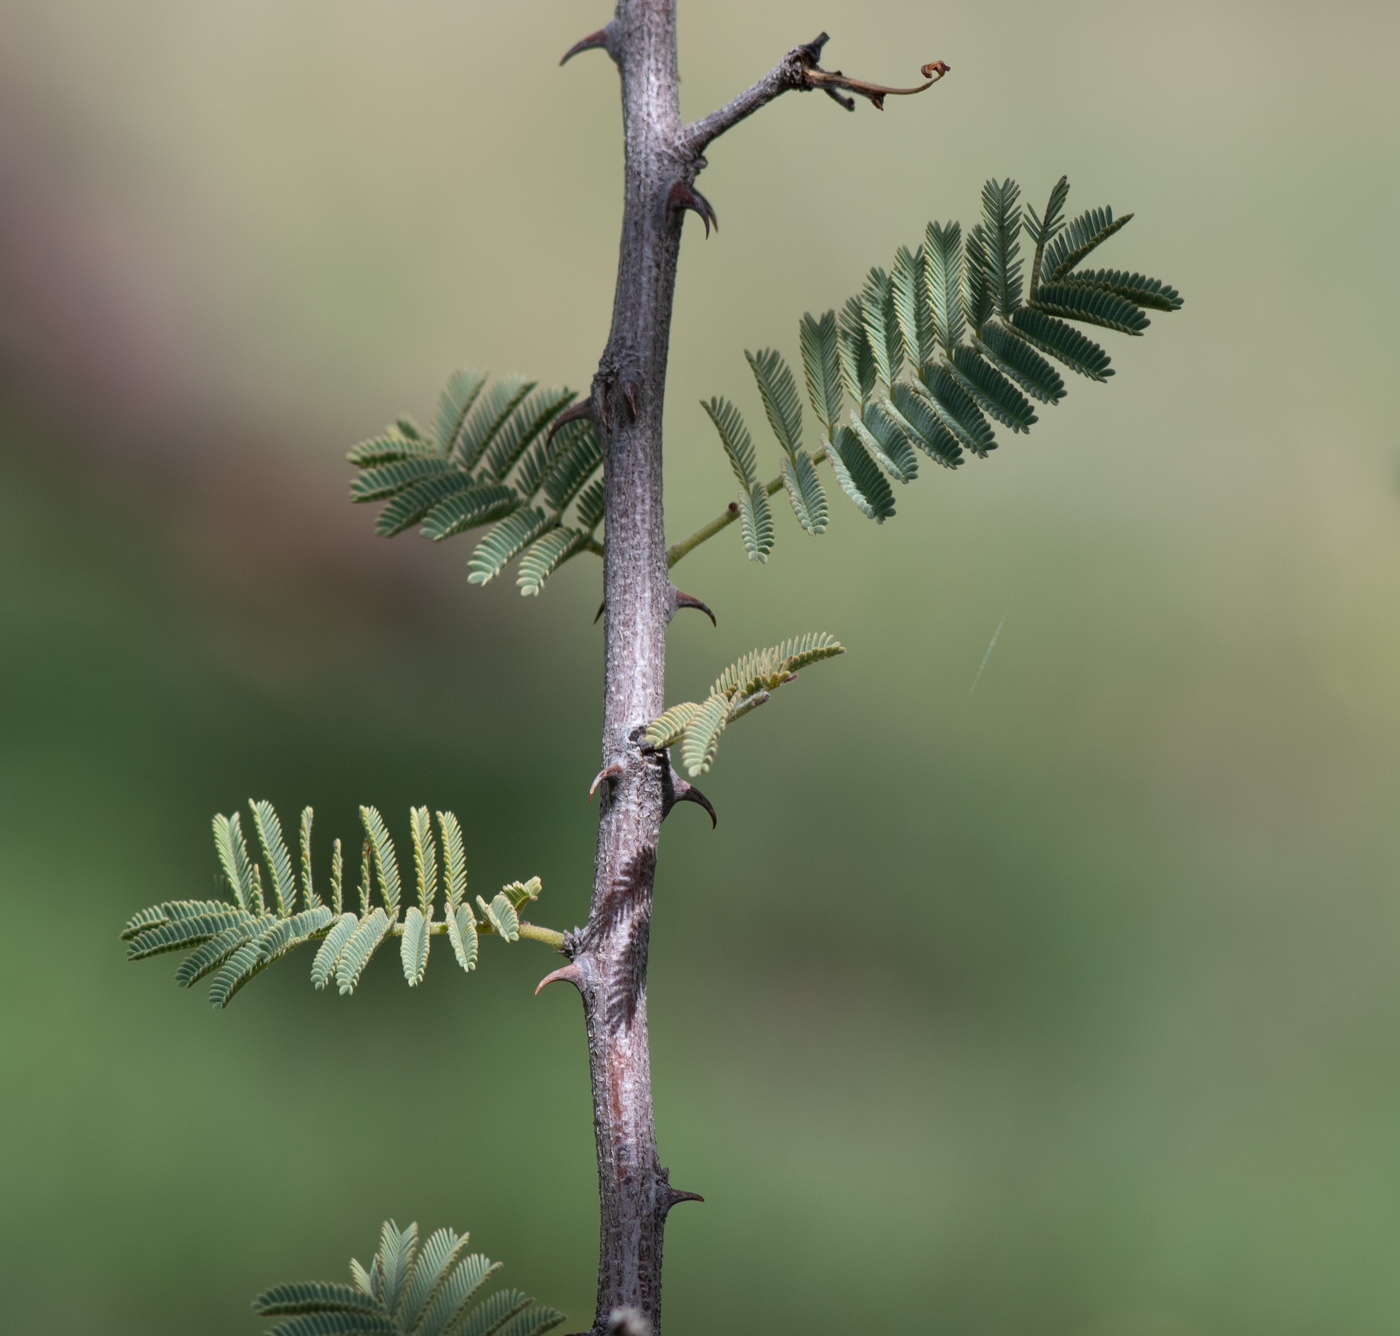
628 396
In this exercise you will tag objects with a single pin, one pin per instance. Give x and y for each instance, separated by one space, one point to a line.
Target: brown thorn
676 1195
608 772
569 973
684 600
599 613
589 43
681 197
688 793
582 409
629 391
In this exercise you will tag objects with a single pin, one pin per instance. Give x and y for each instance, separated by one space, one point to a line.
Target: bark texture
609 954
627 399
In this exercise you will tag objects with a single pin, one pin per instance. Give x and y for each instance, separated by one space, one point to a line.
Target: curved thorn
608 772
681 197
629 390
589 43
599 613
582 409
684 600
688 793
569 973
676 1195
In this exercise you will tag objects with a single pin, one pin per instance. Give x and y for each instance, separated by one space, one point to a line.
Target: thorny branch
798 71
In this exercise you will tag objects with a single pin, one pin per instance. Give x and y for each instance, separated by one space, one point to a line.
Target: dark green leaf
857 361
495 552
1022 363
467 510
821 361
734 436
882 325
1086 233
388 479
1091 305
1062 342
859 477
458 396
913 415
1136 288
943 277
779 393
408 507
957 411
990 390
1001 225
887 443
522 428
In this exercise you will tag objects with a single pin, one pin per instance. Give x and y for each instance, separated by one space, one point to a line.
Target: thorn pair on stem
681 197
680 599
673 789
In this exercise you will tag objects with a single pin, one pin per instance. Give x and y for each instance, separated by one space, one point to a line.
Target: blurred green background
1071 1006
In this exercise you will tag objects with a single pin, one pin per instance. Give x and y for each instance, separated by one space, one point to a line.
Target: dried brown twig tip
681 197
830 80
602 38
567 974
582 409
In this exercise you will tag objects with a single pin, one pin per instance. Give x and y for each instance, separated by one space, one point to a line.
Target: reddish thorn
688 793
589 43
570 973
684 600
608 772
677 1196
681 197
629 390
582 409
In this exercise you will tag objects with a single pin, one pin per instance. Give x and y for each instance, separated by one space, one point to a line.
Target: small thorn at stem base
569 973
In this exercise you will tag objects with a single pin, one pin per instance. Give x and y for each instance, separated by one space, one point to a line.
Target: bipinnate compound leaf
744 685
225 940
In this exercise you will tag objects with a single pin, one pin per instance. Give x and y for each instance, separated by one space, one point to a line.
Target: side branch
722 521
797 70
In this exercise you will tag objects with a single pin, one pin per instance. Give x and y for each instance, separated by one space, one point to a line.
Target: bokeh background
1068 1005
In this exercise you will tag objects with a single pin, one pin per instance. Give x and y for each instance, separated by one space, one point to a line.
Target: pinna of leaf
235 940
